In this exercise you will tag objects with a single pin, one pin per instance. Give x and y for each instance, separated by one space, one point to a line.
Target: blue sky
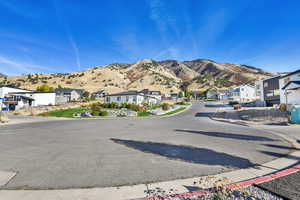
53 36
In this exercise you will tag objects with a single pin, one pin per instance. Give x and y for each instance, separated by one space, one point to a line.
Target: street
114 152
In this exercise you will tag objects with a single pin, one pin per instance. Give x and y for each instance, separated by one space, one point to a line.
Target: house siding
294 95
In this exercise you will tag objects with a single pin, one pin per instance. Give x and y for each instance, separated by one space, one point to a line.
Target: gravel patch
248 193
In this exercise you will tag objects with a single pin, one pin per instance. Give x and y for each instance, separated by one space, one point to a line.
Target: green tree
180 94
44 88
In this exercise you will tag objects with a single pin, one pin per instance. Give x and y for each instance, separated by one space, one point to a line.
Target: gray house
99 94
64 95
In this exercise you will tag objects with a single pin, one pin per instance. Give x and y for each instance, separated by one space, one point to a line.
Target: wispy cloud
15 8
163 19
75 50
20 67
69 34
129 46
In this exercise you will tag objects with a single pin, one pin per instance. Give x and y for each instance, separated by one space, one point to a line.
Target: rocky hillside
2 75
166 76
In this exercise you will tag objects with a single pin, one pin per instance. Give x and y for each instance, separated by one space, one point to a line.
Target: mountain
2 75
166 76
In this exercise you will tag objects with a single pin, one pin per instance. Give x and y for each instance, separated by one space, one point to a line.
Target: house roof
23 97
297 85
68 90
29 92
130 92
99 92
274 77
151 92
292 73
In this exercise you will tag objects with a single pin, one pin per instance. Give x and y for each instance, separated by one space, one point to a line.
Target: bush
165 106
237 107
99 113
103 113
181 103
282 107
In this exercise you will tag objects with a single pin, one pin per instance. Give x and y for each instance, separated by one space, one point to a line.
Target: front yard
97 110
68 113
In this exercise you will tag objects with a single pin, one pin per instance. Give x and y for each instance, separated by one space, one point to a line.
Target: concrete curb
240 184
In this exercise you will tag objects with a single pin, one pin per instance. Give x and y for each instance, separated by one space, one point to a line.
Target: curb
241 184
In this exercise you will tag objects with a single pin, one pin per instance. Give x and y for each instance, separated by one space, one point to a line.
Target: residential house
15 98
271 92
259 93
242 93
289 85
267 91
197 94
99 94
151 93
222 95
212 93
64 95
132 96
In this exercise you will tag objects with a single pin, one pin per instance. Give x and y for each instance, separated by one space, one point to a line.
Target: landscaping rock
83 114
121 113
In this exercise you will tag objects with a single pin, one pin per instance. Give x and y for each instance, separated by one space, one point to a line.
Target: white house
64 95
5 90
133 96
150 93
290 88
15 98
243 93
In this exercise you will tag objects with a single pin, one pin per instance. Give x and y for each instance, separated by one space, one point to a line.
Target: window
266 84
108 99
127 98
118 98
134 98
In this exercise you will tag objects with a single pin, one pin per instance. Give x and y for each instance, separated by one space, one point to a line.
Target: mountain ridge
165 75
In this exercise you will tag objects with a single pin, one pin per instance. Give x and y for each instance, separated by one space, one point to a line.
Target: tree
180 95
188 94
86 94
44 88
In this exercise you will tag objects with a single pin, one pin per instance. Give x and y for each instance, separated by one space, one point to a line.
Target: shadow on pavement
192 188
274 154
227 135
204 114
187 153
214 105
280 146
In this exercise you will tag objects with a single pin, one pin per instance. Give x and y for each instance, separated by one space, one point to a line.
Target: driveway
114 152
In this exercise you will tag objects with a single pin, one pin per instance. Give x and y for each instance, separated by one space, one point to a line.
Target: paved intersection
113 152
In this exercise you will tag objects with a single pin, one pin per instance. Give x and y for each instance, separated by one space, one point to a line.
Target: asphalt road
114 152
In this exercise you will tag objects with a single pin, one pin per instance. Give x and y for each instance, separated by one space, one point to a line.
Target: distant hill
166 76
2 75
